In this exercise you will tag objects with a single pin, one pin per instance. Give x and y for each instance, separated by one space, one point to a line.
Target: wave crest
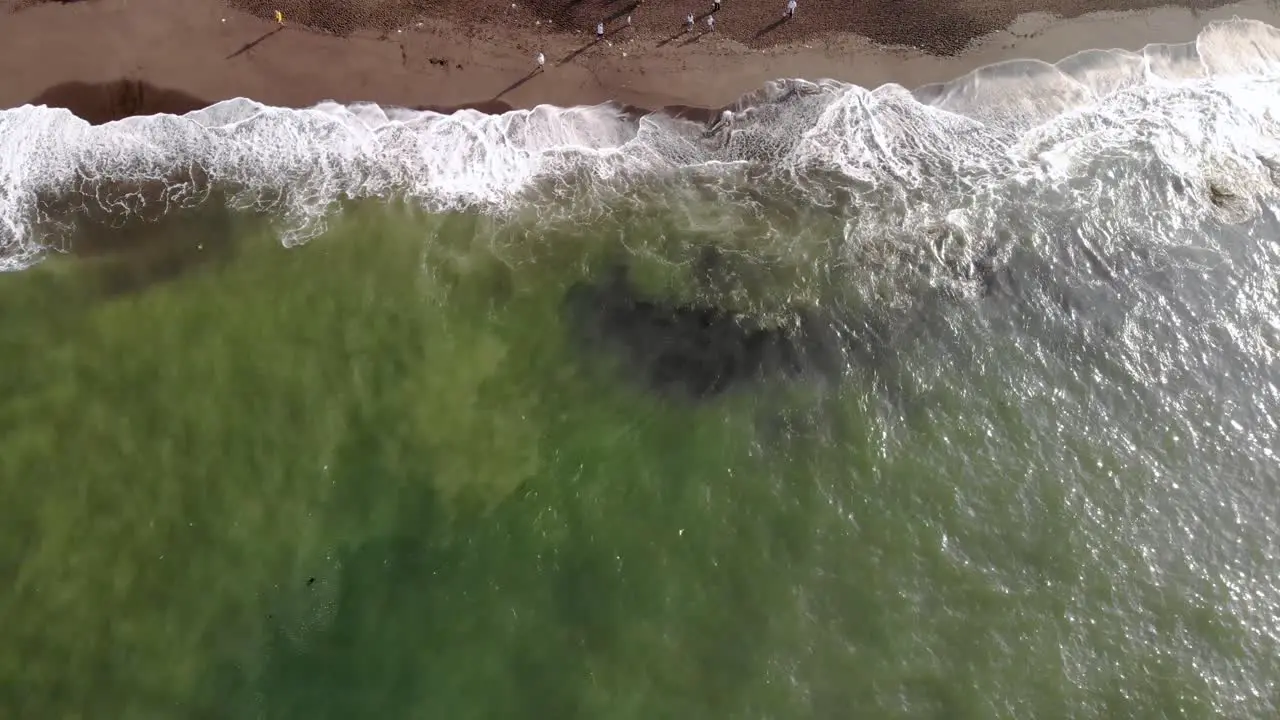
1205 112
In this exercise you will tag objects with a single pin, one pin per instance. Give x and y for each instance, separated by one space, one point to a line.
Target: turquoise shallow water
379 475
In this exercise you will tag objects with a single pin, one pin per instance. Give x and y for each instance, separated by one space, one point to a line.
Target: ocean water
959 401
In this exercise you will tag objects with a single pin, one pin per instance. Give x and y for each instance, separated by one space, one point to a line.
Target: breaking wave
1194 127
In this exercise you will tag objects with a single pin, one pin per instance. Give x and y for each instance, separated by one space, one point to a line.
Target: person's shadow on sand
573 55
770 27
684 30
254 43
532 73
594 41
696 37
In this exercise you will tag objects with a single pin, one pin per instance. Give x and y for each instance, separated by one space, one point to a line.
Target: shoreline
115 58
101 103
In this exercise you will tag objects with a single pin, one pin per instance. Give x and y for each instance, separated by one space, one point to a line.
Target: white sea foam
1208 110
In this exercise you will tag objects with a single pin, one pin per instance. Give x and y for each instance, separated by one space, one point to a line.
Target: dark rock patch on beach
136 253
105 102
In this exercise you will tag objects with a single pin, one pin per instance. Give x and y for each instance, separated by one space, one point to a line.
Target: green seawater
373 476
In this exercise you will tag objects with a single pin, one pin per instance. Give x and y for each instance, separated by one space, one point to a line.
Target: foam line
1212 102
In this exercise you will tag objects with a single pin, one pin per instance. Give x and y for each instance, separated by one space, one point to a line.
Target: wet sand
105 59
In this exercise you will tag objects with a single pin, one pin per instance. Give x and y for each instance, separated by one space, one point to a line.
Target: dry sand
110 58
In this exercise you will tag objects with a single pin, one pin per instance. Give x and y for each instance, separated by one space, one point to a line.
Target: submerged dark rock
696 350
146 246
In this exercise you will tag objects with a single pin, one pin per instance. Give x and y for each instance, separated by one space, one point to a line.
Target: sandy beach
105 59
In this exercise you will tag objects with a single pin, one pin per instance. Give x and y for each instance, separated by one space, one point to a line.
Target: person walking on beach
688 22
279 18
711 23
542 61
791 9
599 31
715 5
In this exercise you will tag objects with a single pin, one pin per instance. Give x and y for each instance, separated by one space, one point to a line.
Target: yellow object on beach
279 17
